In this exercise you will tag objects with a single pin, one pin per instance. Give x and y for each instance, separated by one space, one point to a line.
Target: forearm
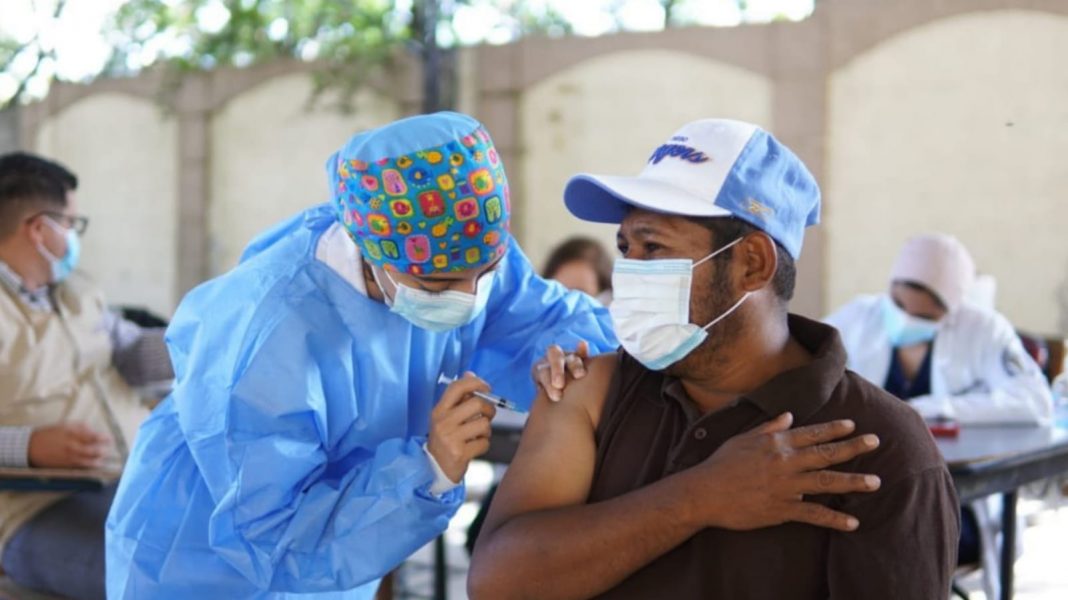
580 551
1027 405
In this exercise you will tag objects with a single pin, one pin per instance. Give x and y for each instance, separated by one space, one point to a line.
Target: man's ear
758 260
34 228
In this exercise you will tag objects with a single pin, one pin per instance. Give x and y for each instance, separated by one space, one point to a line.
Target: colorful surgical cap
423 195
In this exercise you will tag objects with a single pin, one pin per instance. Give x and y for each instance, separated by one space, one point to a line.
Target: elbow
487 578
480 586
483 579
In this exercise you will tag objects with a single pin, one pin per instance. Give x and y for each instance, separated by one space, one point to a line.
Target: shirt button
701 433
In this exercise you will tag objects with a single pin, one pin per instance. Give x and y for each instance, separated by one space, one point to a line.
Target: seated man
67 365
614 490
925 343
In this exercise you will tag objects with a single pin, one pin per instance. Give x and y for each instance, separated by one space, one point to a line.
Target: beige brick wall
125 156
955 126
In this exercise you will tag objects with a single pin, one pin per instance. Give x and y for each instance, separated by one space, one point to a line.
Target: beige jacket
57 368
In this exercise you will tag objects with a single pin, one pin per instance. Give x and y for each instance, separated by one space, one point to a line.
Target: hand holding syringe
493 399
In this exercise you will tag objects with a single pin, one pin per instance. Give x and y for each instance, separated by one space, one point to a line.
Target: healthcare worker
926 343
308 446
946 356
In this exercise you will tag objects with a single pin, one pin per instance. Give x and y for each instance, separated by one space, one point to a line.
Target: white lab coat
980 374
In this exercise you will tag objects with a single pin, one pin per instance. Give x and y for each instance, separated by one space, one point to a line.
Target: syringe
493 399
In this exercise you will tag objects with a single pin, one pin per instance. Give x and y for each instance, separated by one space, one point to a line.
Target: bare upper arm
553 465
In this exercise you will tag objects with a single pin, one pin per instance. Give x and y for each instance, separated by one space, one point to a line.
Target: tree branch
41 55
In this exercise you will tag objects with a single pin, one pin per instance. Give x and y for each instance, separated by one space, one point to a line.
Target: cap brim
608 198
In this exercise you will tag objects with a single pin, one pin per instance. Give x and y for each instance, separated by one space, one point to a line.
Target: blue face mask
63 266
438 311
904 329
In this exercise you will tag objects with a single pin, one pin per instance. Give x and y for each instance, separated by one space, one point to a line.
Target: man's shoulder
906 446
876 409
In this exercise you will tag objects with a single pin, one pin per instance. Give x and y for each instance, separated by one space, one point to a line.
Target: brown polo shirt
906 546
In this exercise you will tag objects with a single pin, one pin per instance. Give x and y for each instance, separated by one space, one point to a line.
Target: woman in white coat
948 358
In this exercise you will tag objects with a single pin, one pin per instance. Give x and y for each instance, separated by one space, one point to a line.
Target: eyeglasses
76 222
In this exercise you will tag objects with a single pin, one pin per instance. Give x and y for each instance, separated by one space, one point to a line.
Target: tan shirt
57 367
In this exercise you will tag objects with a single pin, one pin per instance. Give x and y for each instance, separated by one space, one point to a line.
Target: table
998 460
55 480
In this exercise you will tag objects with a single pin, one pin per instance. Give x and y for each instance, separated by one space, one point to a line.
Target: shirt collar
38 300
336 250
802 390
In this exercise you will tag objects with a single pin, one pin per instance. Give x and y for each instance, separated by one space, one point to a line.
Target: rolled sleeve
140 354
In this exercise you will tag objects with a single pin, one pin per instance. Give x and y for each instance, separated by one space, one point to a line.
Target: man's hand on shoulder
763 475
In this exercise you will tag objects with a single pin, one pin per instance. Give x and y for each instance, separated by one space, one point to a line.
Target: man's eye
622 248
651 247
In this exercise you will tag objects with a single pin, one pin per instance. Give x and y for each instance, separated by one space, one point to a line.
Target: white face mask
438 311
651 309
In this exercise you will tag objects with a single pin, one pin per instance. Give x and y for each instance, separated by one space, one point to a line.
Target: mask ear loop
728 312
717 252
381 288
733 308
485 279
51 258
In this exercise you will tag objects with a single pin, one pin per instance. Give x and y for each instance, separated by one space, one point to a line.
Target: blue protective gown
289 457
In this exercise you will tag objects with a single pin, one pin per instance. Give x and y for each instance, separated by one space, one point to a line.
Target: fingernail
554 396
558 382
871 441
580 373
852 524
872 481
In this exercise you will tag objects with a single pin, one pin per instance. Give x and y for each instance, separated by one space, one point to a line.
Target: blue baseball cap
711 168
